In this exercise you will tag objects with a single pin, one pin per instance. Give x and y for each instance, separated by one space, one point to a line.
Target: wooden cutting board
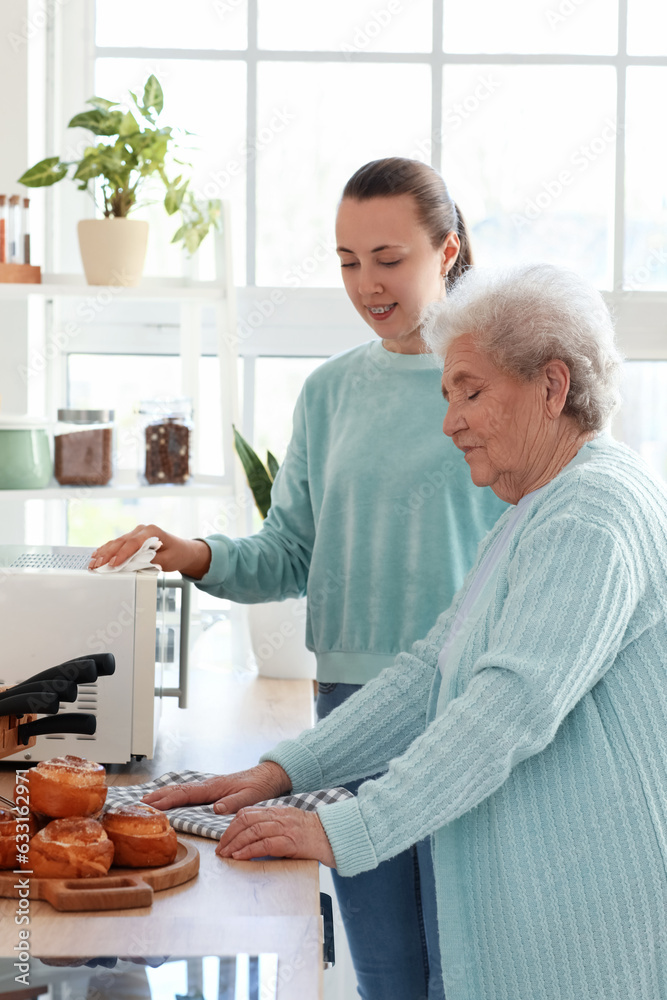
121 888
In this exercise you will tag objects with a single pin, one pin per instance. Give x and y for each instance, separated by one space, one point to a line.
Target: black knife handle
105 663
64 690
30 704
81 671
67 722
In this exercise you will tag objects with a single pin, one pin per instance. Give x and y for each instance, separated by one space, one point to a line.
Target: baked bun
141 835
74 847
67 786
27 827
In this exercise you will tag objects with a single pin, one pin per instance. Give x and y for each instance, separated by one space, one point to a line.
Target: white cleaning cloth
142 559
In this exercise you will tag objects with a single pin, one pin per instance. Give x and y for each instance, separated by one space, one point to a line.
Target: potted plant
127 162
277 628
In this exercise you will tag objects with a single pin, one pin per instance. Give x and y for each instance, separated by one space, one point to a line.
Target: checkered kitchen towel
201 820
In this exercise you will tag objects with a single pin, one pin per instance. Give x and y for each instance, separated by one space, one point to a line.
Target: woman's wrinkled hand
227 792
190 556
278 831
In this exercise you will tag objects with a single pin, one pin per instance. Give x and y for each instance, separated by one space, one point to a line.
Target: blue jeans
389 913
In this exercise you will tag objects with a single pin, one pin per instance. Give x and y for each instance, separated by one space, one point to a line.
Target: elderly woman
528 731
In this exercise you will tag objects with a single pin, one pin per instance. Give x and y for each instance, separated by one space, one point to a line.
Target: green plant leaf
44 173
153 96
258 478
99 122
150 148
89 167
214 213
193 237
128 125
272 464
101 103
117 164
179 234
174 197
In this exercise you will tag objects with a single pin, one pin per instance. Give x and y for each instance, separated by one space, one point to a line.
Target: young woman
373 515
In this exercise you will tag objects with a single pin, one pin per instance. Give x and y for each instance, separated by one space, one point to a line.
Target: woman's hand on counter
190 556
228 792
276 831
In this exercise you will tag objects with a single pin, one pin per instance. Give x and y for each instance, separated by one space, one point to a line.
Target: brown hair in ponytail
439 215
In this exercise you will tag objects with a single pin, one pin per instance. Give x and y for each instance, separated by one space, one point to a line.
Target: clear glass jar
83 447
167 425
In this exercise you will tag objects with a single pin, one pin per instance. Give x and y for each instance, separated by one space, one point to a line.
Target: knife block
9 724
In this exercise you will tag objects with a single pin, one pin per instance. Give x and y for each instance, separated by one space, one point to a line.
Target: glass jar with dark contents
83 447
168 435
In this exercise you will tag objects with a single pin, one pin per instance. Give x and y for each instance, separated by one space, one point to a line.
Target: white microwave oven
53 609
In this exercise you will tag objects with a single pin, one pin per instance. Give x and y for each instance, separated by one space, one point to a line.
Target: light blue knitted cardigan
540 766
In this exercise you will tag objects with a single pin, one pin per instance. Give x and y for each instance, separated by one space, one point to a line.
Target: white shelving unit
124 489
190 297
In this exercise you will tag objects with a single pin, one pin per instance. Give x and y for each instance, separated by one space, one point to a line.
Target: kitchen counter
231 907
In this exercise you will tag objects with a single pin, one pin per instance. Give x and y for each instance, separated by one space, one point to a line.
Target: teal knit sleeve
377 723
272 564
570 596
360 736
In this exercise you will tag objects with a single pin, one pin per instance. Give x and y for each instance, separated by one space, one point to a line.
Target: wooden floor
231 907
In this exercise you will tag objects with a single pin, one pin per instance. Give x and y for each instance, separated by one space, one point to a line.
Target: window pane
194 99
531 164
92 522
574 26
336 118
132 379
346 26
647 28
278 382
645 180
642 420
162 24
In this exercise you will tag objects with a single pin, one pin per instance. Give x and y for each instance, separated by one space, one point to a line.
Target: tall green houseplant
260 477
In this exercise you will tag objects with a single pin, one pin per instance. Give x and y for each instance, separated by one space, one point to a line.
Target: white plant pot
113 251
278 636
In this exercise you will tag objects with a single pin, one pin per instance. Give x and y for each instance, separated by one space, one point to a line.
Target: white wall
14 29
17 24
23 30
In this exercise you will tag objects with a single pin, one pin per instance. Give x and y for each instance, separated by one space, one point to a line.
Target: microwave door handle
184 644
180 692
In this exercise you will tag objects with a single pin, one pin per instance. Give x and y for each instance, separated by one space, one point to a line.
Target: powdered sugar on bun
73 847
141 835
68 786
73 770
139 819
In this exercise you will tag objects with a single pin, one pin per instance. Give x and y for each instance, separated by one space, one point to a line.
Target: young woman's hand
278 831
190 556
227 792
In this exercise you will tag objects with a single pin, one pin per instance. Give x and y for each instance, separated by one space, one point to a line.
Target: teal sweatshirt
537 757
373 514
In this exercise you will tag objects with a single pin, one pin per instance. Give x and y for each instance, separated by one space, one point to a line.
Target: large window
543 116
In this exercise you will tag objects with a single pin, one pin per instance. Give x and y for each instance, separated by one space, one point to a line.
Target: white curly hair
524 317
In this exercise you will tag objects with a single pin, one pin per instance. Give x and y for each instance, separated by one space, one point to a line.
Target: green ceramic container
25 456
